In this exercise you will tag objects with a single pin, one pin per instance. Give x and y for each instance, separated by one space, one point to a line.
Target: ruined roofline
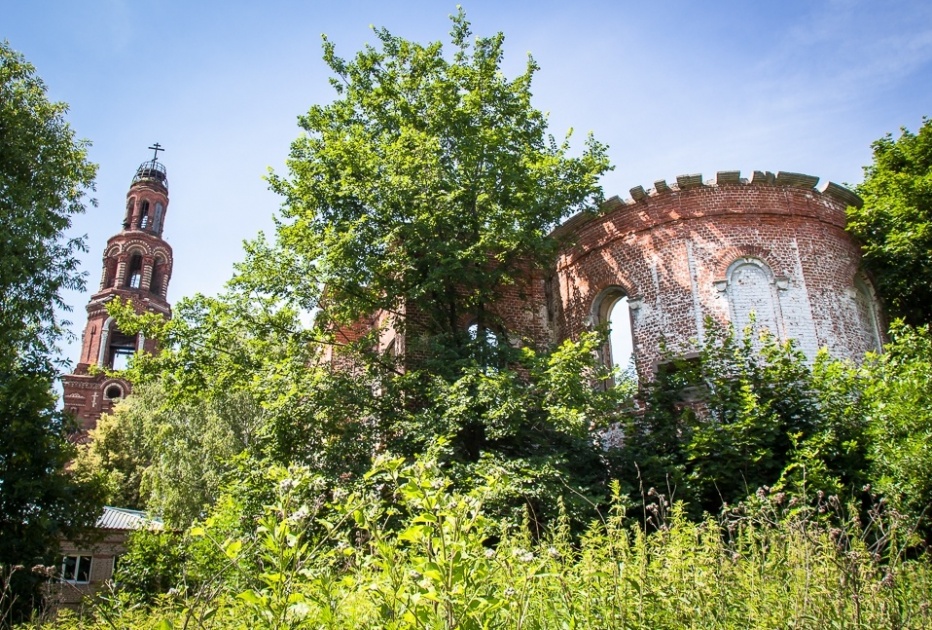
640 195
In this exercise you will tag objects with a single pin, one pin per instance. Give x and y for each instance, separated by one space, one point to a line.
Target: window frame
76 572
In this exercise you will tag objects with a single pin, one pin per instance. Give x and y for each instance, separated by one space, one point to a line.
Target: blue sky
672 87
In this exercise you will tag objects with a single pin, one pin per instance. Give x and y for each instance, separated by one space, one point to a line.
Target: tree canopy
427 186
44 175
895 222
430 180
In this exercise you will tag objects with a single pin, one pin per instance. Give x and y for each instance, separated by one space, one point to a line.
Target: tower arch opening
116 348
134 273
158 275
144 215
159 215
130 205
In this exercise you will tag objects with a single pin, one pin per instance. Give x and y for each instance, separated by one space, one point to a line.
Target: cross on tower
156 147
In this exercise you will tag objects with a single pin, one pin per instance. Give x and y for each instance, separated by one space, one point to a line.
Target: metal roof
122 518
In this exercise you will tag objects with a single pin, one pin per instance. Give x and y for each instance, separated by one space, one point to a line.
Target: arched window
114 392
134 277
487 346
155 284
110 269
157 221
752 297
120 348
866 305
612 309
130 204
144 215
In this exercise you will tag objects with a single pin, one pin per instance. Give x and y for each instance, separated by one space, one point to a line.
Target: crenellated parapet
786 179
770 248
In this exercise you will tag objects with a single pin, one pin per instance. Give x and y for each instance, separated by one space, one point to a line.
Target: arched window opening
486 345
613 310
114 392
110 269
155 284
157 221
621 338
122 347
129 212
134 277
488 337
144 215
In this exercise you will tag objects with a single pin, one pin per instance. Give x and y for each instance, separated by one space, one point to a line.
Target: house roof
122 518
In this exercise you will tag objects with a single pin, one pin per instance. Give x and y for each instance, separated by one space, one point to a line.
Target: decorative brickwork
772 246
137 266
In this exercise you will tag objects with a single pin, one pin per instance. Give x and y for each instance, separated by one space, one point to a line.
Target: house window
76 569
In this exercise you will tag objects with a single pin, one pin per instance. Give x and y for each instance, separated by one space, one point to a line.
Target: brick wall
773 245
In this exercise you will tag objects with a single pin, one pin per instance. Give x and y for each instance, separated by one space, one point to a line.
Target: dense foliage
319 482
429 181
407 551
895 223
424 190
44 174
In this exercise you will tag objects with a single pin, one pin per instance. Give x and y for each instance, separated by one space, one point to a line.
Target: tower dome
152 171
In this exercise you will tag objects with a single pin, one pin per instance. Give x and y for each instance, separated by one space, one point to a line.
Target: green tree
171 459
426 188
44 174
895 222
429 181
743 415
900 410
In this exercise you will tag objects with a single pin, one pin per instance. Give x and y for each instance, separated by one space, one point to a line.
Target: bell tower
137 265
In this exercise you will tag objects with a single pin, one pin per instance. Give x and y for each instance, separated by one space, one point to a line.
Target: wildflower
553 552
489 554
301 513
510 592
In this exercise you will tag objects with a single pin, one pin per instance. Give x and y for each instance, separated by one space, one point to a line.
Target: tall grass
413 554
